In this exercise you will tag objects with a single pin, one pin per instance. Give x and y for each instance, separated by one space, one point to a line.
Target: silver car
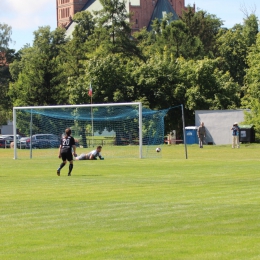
40 141
23 143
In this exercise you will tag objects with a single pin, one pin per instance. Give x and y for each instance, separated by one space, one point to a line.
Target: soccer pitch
205 207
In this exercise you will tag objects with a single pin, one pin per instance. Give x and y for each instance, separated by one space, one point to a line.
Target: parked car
40 141
2 143
11 137
5 141
22 143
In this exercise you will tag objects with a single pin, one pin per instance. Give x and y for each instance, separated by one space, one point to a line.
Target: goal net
124 130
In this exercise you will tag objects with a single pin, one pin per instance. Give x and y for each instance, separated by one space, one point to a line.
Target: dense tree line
6 57
193 61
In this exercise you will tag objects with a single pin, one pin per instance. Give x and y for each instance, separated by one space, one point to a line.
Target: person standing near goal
65 151
235 135
201 134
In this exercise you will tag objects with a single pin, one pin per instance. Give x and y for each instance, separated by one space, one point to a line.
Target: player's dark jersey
66 144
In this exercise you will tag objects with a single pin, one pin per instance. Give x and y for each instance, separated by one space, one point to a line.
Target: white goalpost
125 120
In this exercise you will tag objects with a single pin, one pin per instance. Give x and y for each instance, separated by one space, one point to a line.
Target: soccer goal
122 129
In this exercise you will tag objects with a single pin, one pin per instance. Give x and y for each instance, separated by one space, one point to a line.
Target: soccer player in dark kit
65 151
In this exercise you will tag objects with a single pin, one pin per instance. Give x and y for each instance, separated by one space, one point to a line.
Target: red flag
90 90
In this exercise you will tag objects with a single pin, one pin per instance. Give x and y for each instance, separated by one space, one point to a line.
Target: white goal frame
77 106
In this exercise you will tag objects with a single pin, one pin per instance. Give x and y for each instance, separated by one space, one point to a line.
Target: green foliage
233 44
39 75
156 80
251 89
252 86
5 36
80 48
250 29
109 79
5 78
207 87
85 26
253 118
233 49
113 29
203 26
175 36
6 57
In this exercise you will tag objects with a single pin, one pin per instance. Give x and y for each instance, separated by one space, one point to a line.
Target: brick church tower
66 9
141 12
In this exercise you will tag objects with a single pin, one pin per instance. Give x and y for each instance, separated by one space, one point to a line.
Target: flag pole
92 122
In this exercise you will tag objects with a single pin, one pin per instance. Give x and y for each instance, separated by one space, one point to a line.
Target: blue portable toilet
191 135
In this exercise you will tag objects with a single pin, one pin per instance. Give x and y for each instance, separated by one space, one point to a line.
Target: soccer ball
158 149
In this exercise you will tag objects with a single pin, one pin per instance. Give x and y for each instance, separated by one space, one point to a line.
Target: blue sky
230 11
25 16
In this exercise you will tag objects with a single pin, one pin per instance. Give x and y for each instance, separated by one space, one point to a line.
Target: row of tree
192 61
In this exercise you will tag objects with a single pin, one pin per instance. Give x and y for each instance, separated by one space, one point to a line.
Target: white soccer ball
158 149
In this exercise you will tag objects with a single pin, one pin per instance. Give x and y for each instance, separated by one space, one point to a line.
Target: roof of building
87 5
70 27
162 8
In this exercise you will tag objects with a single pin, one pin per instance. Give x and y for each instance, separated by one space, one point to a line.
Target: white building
7 129
218 124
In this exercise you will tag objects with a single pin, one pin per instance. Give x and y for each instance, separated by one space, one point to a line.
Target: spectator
201 134
235 135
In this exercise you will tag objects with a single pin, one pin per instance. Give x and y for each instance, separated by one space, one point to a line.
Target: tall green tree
206 86
39 77
232 48
250 29
81 46
109 78
252 85
177 39
113 30
205 26
156 80
5 36
6 57
232 45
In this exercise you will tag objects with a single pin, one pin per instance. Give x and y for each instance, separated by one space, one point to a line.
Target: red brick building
66 9
142 13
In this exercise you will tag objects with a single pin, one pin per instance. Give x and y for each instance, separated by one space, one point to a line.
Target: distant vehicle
2 143
6 141
11 137
22 143
40 141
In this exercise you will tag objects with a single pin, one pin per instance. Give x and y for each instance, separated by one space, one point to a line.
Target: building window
136 21
64 1
65 12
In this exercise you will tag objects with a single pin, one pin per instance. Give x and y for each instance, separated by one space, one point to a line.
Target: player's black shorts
67 156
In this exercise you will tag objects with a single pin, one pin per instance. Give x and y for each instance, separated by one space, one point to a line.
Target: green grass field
205 207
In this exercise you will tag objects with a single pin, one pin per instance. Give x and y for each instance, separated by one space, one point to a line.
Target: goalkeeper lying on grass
92 155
